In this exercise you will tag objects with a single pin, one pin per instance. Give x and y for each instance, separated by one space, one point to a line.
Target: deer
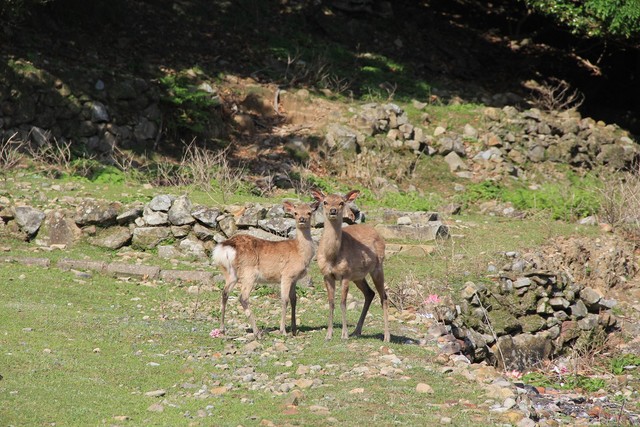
350 254
247 260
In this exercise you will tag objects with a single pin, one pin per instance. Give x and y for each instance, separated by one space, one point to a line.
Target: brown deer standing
246 260
350 254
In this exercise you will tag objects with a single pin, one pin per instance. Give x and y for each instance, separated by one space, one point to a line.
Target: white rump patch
225 256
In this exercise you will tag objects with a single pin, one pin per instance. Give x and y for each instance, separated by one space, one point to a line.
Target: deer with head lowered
247 260
350 255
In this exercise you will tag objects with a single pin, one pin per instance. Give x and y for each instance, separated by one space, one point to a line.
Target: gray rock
180 211
133 270
590 297
193 247
180 231
113 238
250 216
536 153
145 129
589 323
279 226
207 216
203 233
96 212
129 215
523 282
447 145
99 113
161 203
455 163
228 225
341 137
149 237
579 310
40 137
436 230
152 217
58 228
521 351
28 219
168 252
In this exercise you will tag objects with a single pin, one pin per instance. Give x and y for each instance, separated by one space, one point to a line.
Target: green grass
81 351
574 199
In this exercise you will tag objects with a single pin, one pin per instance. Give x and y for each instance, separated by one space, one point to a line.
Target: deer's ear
351 195
314 205
288 206
318 195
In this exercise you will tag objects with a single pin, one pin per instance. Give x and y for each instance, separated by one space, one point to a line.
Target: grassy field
80 348
85 350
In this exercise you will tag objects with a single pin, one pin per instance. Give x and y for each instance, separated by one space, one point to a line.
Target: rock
152 217
113 238
156 407
521 351
590 297
193 247
341 137
161 203
156 393
99 113
536 153
180 211
203 233
58 228
149 237
206 216
455 163
280 226
250 215
424 388
436 230
129 215
29 219
96 212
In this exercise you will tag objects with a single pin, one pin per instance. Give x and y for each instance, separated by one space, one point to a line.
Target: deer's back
265 260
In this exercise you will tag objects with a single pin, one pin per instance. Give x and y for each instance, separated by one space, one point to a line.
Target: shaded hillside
463 49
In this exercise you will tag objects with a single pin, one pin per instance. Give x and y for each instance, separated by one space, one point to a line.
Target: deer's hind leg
245 292
230 280
378 279
368 297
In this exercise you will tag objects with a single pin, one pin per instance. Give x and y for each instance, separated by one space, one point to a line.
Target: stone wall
503 144
539 307
94 111
177 227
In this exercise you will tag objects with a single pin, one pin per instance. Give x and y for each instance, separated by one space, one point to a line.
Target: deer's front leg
343 307
330 284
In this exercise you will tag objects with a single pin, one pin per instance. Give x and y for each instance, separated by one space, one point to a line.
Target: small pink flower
433 299
216 333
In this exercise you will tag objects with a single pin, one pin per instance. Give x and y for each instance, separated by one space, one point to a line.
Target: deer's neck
331 239
305 243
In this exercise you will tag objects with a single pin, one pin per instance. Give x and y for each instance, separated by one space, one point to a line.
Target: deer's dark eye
325 203
341 204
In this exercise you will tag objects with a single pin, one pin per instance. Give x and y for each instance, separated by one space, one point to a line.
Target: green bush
192 106
593 18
